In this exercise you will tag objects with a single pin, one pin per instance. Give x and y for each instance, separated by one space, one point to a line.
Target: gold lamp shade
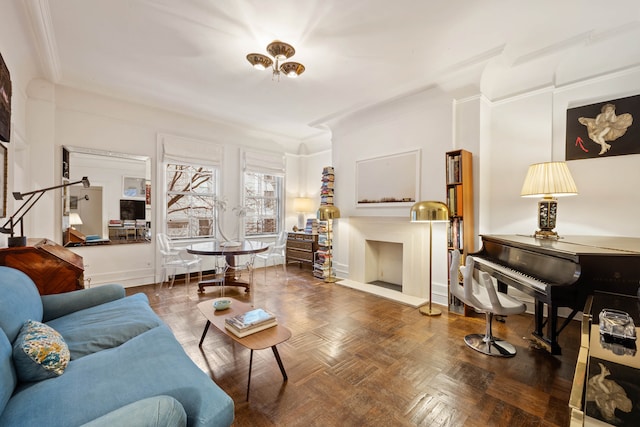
327 212
429 211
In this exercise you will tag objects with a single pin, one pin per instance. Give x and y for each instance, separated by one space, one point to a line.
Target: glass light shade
429 211
550 179
74 219
302 204
326 212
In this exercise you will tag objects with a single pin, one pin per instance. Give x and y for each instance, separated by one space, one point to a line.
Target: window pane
190 197
263 200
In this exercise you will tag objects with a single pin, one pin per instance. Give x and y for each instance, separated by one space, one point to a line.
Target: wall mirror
116 208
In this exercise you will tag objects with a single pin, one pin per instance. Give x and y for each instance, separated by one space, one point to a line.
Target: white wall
83 119
419 121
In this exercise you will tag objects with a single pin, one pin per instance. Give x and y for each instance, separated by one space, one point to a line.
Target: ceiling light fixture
280 51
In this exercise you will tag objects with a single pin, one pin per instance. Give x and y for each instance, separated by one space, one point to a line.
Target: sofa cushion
19 301
106 325
8 379
150 364
39 352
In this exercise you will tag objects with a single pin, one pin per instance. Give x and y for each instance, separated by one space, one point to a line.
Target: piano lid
573 246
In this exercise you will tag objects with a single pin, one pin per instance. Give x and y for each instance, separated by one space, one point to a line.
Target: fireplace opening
383 264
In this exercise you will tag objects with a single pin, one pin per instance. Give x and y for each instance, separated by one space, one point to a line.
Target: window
263 203
263 193
191 192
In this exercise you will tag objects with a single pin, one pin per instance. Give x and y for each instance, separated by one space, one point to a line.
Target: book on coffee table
250 322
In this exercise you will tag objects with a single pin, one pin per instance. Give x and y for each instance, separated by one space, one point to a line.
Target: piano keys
560 273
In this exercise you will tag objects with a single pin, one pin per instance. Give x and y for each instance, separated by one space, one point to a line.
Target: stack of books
312 226
326 190
250 322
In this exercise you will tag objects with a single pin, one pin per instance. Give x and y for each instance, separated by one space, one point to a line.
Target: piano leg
549 342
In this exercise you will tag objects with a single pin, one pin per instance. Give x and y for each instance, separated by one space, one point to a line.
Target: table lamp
329 213
548 180
302 205
430 212
74 219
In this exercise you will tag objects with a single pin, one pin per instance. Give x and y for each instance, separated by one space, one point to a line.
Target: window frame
271 164
190 218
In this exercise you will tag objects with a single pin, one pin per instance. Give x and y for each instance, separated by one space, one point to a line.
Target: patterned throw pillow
39 352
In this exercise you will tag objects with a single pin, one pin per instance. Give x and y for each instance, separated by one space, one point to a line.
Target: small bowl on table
221 304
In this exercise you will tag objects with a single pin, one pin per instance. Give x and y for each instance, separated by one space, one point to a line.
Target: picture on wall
134 188
5 102
605 129
392 180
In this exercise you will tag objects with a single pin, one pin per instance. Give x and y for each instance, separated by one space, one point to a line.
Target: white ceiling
189 55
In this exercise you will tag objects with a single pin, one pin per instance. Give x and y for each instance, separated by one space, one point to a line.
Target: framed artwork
134 188
5 101
392 180
605 129
3 181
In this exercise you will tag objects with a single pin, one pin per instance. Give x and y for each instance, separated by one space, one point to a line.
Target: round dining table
230 250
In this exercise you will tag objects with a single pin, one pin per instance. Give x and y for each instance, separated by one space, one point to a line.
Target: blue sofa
123 363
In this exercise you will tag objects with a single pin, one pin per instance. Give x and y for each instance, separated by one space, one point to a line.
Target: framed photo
5 102
392 180
3 181
605 129
134 188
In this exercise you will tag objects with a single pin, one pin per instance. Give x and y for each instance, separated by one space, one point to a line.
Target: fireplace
383 264
393 250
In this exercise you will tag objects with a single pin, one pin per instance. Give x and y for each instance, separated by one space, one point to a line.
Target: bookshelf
459 179
321 262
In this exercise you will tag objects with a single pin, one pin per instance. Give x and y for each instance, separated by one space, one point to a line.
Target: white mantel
414 238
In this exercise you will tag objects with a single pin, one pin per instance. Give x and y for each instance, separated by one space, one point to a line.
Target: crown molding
42 25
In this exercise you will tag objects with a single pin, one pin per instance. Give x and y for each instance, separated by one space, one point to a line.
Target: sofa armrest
58 305
157 411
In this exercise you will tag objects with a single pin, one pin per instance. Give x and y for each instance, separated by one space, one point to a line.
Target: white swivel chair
484 297
173 259
276 250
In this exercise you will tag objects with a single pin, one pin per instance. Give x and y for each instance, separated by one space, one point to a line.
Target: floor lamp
430 212
329 213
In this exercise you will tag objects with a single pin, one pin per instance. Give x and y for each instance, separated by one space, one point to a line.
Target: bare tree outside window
191 193
263 203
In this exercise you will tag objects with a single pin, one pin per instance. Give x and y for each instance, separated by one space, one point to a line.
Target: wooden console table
301 247
53 268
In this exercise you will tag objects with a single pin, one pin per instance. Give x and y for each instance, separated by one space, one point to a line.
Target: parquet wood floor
356 359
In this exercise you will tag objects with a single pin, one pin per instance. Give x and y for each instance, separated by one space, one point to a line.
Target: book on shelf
250 322
311 226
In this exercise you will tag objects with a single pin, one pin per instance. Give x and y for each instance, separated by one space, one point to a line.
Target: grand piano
560 273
